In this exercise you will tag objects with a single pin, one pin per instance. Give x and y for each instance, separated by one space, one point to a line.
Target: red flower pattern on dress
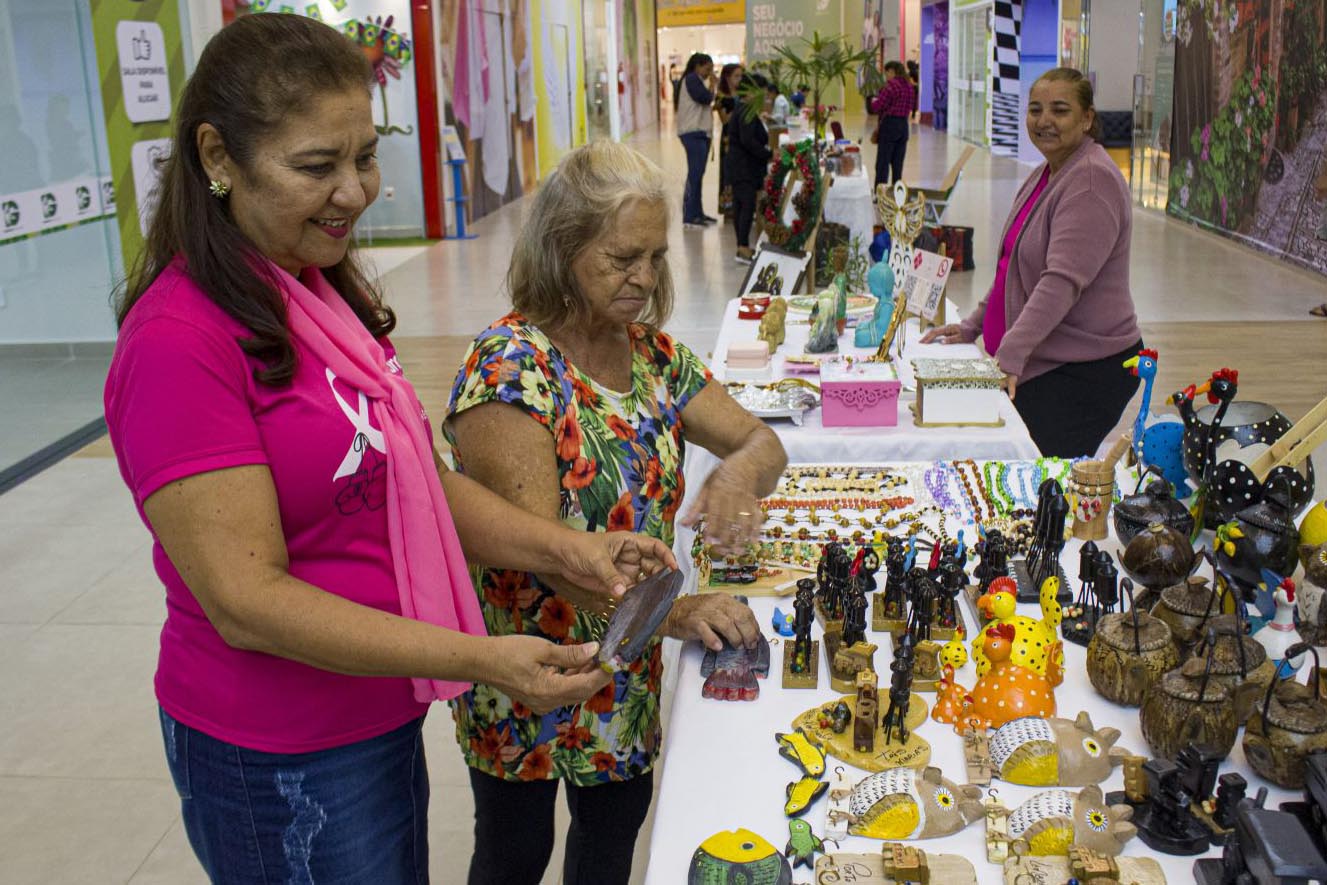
581 474
537 764
619 466
568 435
621 429
602 700
622 518
573 737
556 617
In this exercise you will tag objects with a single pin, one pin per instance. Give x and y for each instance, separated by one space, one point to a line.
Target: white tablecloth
722 768
815 443
848 202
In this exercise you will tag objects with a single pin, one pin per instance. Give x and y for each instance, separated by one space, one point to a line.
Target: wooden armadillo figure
901 804
1053 820
1040 752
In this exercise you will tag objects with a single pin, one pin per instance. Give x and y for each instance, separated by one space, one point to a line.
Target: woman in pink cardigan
1059 318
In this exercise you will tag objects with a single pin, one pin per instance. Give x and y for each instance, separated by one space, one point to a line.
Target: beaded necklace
995 473
936 480
975 500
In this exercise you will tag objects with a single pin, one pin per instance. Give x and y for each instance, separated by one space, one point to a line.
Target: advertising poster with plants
1249 134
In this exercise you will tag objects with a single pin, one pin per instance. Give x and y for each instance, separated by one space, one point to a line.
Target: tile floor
84 793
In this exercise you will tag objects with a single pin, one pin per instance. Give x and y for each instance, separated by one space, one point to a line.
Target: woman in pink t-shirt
317 593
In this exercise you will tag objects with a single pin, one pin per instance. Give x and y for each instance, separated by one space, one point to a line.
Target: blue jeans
697 146
351 814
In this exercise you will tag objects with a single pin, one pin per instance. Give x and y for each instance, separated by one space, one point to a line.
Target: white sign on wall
143 75
147 158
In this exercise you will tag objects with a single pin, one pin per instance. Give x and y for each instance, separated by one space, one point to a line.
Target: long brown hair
251 77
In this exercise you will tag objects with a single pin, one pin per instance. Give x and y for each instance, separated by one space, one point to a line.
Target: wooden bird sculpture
1158 440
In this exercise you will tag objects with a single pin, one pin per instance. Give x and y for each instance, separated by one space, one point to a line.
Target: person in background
893 104
748 162
798 98
729 78
1059 318
779 108
311 544
673 78
694 125
915 77
577 407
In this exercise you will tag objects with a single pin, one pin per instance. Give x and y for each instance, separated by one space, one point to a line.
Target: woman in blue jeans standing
693 103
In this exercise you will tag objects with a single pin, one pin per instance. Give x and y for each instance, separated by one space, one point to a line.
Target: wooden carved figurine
1129 653
1052 821
868 712
900 690
1037 752
846 661
801 662
903 804
1289 726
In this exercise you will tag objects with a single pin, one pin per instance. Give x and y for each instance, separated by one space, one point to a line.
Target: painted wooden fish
802 794
738 856
798 749
803 844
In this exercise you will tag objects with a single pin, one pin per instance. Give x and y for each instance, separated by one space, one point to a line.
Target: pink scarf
431 572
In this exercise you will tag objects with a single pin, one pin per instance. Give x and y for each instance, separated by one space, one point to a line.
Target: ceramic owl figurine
1056 752
900 803
1053 820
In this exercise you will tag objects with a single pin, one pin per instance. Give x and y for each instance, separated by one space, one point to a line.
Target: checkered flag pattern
1005 77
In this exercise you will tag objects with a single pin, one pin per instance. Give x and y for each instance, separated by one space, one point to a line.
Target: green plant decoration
819 62
1219 183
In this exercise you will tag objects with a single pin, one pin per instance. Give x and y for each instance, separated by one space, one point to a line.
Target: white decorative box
953 392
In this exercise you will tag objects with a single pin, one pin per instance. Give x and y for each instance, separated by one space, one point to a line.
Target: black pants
892 147
1071 408
514 830
744 209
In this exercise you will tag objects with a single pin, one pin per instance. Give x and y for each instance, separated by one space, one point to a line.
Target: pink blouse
993 324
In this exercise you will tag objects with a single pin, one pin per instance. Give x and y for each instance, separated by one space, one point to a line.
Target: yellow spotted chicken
1036 643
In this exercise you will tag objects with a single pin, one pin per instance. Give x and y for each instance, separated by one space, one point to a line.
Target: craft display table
813 442
722 769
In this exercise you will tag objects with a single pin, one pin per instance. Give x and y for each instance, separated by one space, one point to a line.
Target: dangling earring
219 188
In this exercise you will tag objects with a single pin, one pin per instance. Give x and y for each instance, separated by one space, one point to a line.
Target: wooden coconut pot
1189 706
1188 609
1240 663
1129 653
1159 556
1289 726
1155 503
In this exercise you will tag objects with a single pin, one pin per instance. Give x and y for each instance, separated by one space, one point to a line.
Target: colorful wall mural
1248 134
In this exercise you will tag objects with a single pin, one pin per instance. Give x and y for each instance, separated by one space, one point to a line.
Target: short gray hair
577 204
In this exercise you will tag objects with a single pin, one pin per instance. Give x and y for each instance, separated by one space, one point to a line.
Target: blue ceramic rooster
1159 443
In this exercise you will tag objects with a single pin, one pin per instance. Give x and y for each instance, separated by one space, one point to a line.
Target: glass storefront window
1153 103
59 245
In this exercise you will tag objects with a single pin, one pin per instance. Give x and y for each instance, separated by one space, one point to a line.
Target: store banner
784 22
1248 129
140 56
686 13
55 207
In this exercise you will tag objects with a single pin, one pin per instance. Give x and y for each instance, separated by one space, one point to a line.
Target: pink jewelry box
858 394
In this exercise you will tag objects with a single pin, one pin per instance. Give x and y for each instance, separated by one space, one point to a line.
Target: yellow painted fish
737 856
799 749
801 795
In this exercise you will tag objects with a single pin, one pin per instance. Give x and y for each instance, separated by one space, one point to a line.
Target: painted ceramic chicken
1007 691
1037 645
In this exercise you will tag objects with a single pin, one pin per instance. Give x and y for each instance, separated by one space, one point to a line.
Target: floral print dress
619 457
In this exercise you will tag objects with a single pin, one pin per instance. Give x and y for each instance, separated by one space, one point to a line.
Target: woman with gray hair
576 407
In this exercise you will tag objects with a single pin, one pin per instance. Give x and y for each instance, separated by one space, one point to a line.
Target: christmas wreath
807 202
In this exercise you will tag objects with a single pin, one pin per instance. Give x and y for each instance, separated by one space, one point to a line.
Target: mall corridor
84 793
